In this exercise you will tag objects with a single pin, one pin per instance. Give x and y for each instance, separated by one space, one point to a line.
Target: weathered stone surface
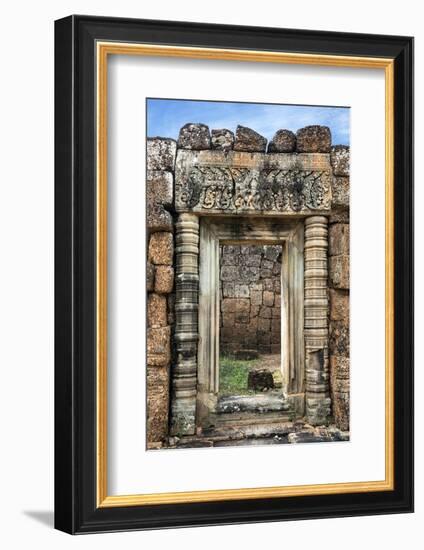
157 404
161 248
340 160
313 139
340 192
268 298
249 140
246 354
339 338
222 139
150 277
159 197
161 154
241 291
270 402
171 308
339 305
158 346
260 380
338 239
156 311
340 368
284 141
194 136
164 279
339 271
252 183
339 215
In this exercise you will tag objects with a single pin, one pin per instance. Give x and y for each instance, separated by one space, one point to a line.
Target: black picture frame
76 510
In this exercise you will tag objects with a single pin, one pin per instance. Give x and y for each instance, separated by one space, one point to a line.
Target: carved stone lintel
184 376
318 402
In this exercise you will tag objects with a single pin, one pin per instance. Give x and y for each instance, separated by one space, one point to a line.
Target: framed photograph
234 269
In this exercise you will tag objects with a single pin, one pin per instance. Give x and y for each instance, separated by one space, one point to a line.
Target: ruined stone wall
338 251
298 174
160 285
250 305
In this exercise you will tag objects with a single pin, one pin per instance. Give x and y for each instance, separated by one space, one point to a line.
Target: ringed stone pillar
318 402
184 376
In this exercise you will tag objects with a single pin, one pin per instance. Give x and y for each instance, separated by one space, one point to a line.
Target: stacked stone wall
339 256
250 305
160 285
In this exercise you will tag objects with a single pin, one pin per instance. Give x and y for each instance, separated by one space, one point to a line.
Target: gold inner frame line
103 50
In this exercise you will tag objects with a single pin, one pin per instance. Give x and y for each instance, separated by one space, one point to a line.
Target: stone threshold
260 434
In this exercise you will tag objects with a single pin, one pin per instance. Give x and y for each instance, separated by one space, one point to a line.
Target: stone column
184 378
318 402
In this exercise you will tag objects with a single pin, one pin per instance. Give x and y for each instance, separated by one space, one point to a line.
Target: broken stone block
340 192
260 380
161 153
340 160
339 271
164 279
268 298
161 248
194 136
222 139
158 219
338 239
150 277
284 141
156 311
313 139
158 346
339 305
249 140
339 215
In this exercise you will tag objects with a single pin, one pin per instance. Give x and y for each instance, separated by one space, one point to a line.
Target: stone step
258 403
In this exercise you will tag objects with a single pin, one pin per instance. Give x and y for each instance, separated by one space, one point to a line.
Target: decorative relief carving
232 189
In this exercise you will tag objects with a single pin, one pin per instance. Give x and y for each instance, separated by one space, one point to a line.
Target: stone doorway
250 321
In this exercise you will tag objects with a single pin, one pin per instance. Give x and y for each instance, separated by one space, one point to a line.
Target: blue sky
166 116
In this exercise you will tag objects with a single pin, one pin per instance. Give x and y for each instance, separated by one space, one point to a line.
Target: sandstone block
242 310
229 273
161 248
256 297
241 291
339 305
164 279
268 284
228 305
276 325
340 160
194 136
156 311
265 312
158 346
313 139
249 274
339 271
222 139
160 187
339 215
157 403
338 239
161 154
249 140
284 141
339 338
268 298
150 277
264 325
254 312
340 192
228 290
339 367
252 260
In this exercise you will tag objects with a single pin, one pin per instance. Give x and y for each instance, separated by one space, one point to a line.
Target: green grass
233 376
